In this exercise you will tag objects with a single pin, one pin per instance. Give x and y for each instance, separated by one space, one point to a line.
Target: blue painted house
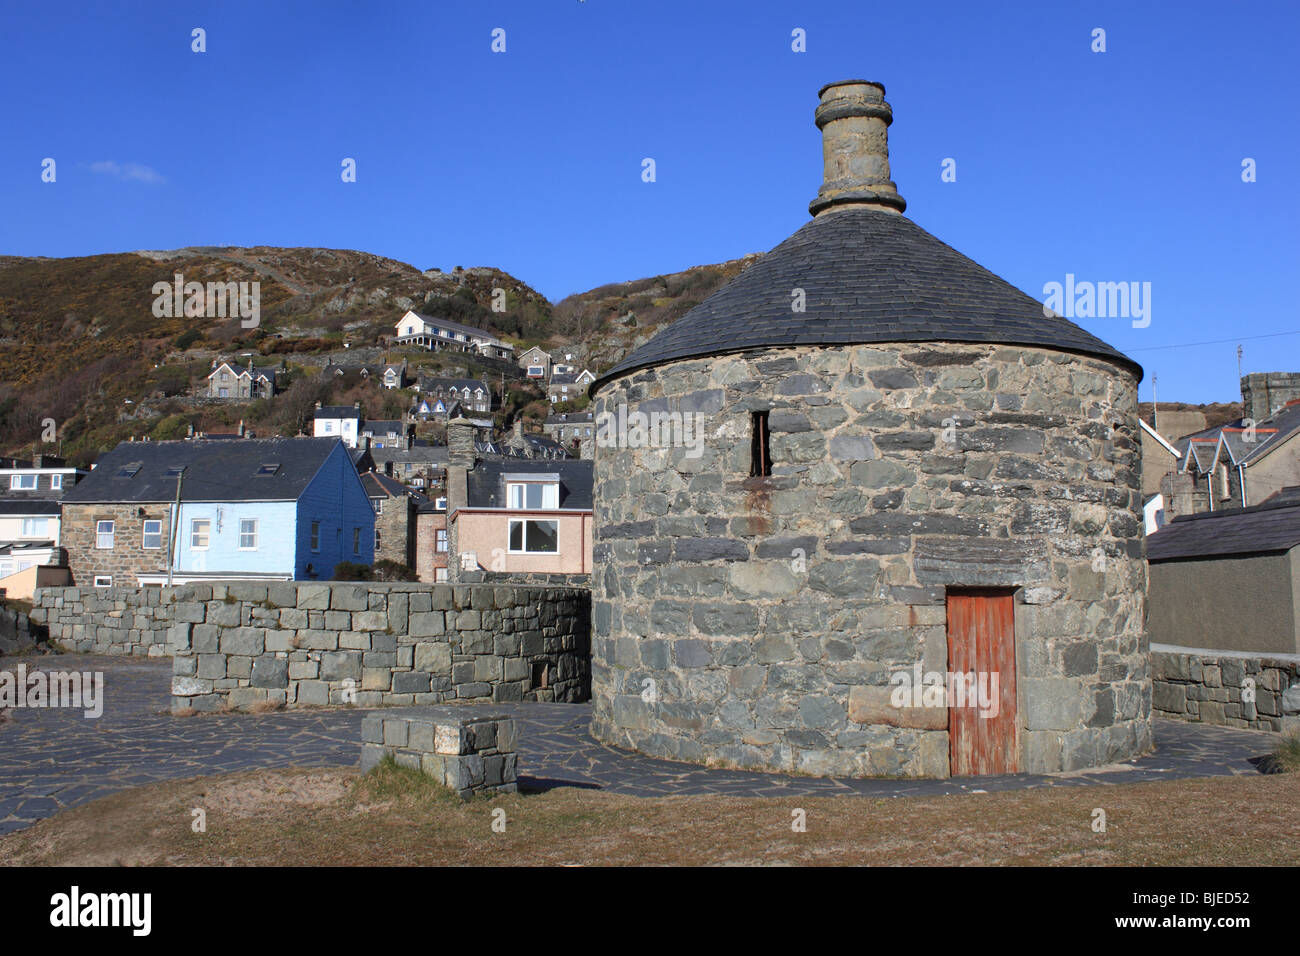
249 509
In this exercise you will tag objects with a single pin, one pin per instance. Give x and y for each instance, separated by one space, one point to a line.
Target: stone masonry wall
768 613
1207 686
290 643
127 558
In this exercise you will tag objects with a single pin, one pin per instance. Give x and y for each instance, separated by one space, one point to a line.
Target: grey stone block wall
466 751
733 617
238 645
1229 688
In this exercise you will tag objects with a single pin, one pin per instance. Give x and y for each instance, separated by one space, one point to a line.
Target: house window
151 540
534 537
247 534
329 428
440 575
315 535
22 482
440 504
441 543
377 541
379 505
760 455
533 496
36 527
200 529
56 482
103 580
104 535
356 540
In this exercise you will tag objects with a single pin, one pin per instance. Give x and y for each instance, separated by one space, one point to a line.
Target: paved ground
52 759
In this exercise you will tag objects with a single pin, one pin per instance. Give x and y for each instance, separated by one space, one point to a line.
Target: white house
433 334
338 421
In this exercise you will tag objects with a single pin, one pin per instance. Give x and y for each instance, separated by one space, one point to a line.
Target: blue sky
1115 166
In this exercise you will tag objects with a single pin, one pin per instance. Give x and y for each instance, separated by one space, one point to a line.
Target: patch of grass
266 706
1286 757
390 781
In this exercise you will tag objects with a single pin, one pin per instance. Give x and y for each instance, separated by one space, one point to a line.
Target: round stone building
868 511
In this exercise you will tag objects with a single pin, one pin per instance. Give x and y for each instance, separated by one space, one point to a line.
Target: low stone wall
120 621
289 643
1217 687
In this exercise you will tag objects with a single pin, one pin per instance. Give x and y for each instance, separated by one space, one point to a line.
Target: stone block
272 672
874 705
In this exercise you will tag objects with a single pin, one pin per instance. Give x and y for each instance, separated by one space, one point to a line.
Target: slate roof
383 428
1263 528
486 485
570 418
338 411
868 276
382 486
214 470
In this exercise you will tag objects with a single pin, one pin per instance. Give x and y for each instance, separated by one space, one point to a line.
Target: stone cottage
910 539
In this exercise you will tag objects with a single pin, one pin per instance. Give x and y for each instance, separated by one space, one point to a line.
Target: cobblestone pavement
52 759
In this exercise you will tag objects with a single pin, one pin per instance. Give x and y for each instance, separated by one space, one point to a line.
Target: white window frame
379 505
103 580
440 540
207 534
329 428
242 533
525 522
550 495
144 535
440 575
56 482
101 534
19 482
29 528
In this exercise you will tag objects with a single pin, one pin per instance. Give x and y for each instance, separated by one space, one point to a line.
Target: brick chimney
854 119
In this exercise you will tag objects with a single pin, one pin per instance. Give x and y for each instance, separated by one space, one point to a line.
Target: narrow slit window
760 452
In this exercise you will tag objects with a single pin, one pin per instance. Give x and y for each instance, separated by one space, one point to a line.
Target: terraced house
154 513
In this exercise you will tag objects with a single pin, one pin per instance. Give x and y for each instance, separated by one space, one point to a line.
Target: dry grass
394 816
1286 757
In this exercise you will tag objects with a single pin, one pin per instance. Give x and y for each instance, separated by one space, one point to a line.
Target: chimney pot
854 119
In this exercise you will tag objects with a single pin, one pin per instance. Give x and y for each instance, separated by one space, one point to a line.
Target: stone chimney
854 119
460 442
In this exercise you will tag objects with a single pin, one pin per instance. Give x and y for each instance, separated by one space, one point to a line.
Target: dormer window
128 470
533 496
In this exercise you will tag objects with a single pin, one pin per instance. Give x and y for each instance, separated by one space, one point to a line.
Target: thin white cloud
128 172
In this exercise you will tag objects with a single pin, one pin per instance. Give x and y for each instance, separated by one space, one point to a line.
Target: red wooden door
983 736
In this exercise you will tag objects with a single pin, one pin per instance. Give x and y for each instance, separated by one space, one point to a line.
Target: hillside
81 343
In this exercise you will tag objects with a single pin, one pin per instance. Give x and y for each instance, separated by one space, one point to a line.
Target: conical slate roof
868 276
